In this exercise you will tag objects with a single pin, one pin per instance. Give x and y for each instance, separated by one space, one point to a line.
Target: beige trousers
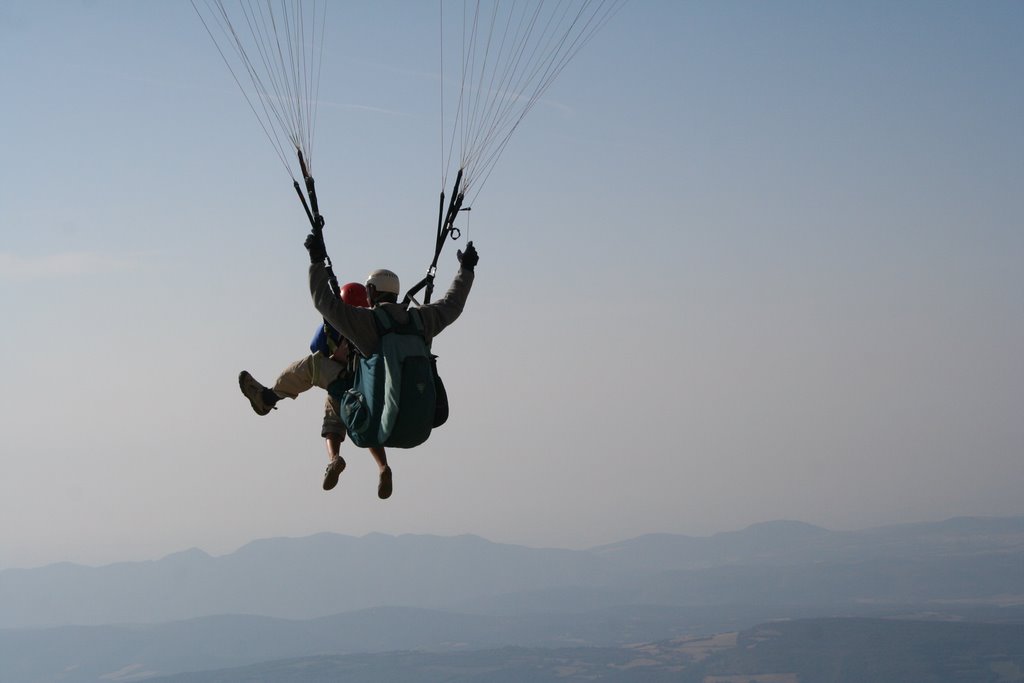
314 370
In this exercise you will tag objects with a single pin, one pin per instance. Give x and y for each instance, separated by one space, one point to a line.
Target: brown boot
332 473
384 486
260 398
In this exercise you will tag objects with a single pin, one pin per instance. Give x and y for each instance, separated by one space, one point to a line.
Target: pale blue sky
747 261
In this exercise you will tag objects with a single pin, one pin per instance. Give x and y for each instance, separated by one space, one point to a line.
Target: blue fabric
320 340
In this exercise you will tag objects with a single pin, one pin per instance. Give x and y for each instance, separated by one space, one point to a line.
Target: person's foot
260 398
384 486
332 473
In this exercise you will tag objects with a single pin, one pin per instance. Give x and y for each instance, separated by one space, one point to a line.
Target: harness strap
386 324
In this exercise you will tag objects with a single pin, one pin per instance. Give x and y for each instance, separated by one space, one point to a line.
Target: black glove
469 258
316 248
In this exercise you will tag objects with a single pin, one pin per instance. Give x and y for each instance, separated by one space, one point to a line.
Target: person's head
354 294
381 286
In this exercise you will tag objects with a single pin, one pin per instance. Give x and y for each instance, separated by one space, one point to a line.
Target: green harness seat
392 400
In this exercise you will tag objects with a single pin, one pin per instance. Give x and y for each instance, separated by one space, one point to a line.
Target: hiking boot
256 393
384 486
332 473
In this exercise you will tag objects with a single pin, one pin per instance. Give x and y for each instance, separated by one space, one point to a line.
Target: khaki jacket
359 325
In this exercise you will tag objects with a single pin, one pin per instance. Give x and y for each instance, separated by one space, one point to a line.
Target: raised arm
351 321
444 311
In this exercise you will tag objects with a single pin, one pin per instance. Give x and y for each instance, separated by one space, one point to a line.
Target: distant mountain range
776 563
336 595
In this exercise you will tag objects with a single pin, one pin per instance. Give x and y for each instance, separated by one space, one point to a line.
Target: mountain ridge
328 573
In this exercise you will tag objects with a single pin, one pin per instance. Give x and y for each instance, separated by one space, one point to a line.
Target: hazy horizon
230 550
744 262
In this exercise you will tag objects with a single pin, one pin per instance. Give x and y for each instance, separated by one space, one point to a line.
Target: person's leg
333 443
333 432
334 429
314 370
380 457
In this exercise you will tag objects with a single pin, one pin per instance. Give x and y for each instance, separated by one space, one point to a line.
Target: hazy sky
747 261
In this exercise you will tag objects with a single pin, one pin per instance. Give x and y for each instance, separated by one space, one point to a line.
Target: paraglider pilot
331 359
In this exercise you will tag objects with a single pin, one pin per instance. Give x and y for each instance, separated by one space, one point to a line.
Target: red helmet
354 294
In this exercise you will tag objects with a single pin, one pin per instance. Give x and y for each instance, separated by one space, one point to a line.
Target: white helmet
383 281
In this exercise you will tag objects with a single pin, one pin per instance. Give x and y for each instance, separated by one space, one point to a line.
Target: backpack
393 400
